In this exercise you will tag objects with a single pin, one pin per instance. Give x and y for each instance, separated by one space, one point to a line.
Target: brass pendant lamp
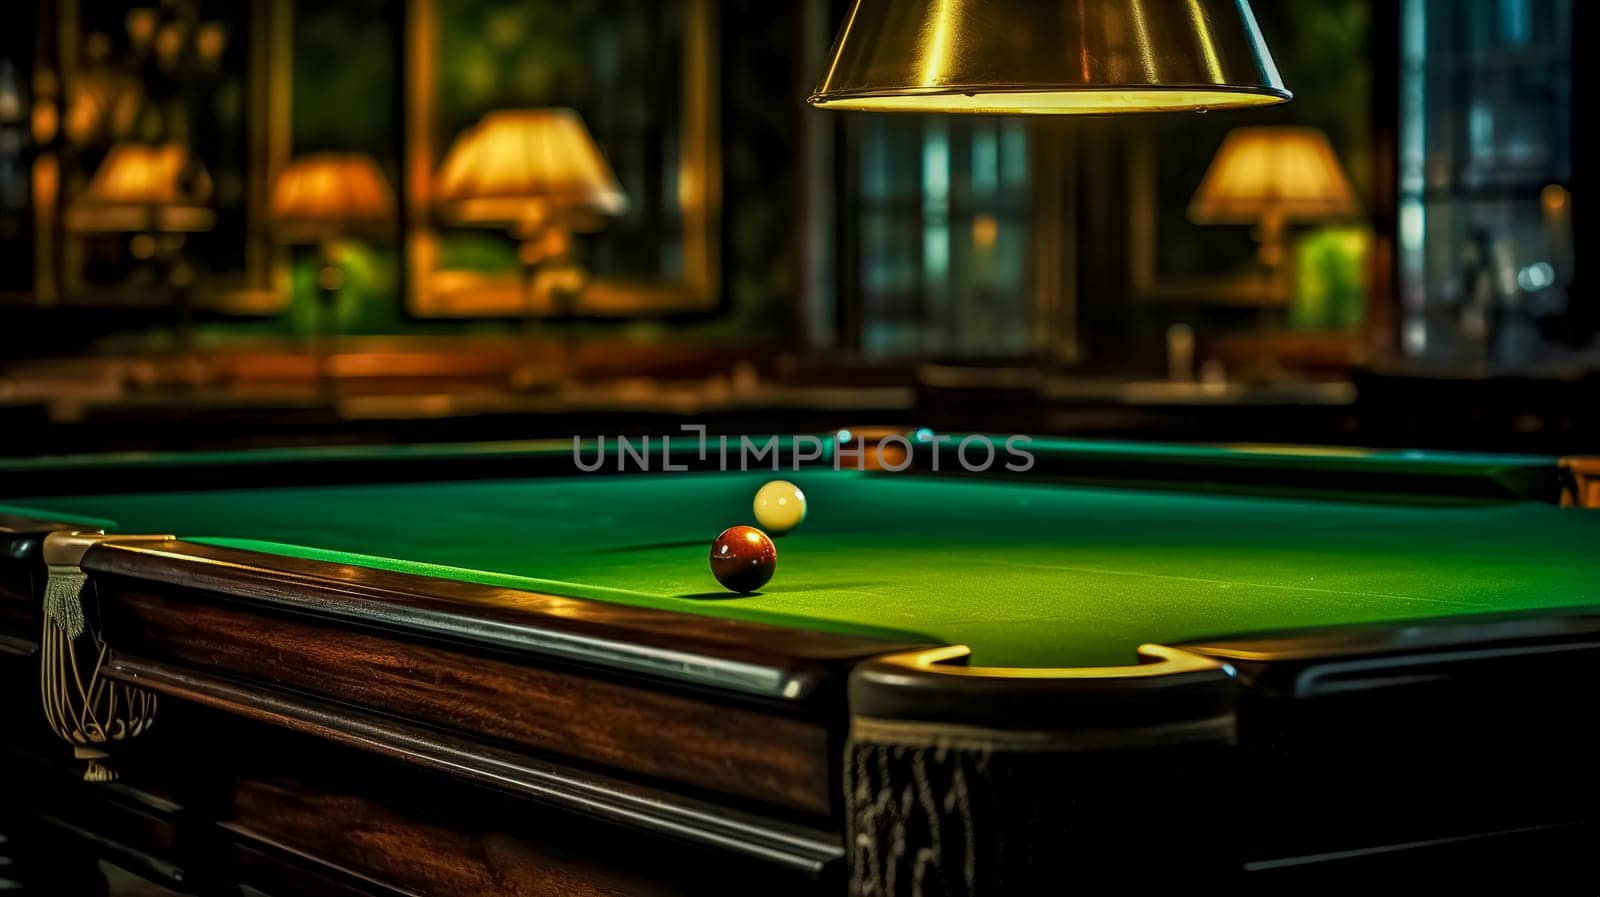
1049 57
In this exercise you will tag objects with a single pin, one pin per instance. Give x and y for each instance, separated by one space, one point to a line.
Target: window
1485 225
945 237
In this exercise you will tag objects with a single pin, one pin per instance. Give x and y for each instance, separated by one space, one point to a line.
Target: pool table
482 669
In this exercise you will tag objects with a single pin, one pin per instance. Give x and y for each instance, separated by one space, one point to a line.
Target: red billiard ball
743 559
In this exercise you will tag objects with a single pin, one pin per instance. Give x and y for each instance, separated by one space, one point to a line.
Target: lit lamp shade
331 193
517 168
1290 174
145 187
1052 57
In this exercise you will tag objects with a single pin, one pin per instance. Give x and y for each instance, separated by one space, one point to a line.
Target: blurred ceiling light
1053 57
1536 277
520 168
45 121
141 22
1554 198
102 102
328 194
985 231
96 47
143 187
210 39
1270 177
169 44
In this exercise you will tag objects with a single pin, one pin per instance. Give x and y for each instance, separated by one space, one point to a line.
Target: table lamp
158 193
1052 57
538 174
1270 177
316 200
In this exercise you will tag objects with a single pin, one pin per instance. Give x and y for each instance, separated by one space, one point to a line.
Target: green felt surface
1025 573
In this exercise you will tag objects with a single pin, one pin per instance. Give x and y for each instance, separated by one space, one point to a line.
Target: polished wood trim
802 849
1347 659
637 729
275 869
353 836
774 663
218 800
714 705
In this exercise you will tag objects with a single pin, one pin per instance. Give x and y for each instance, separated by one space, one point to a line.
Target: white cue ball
780 506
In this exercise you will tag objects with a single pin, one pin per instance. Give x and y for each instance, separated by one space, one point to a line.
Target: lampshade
514 167
1049 57
145 187
331 193
136 174
1287 173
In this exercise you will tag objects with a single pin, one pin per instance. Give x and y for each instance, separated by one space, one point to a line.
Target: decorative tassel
63 599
